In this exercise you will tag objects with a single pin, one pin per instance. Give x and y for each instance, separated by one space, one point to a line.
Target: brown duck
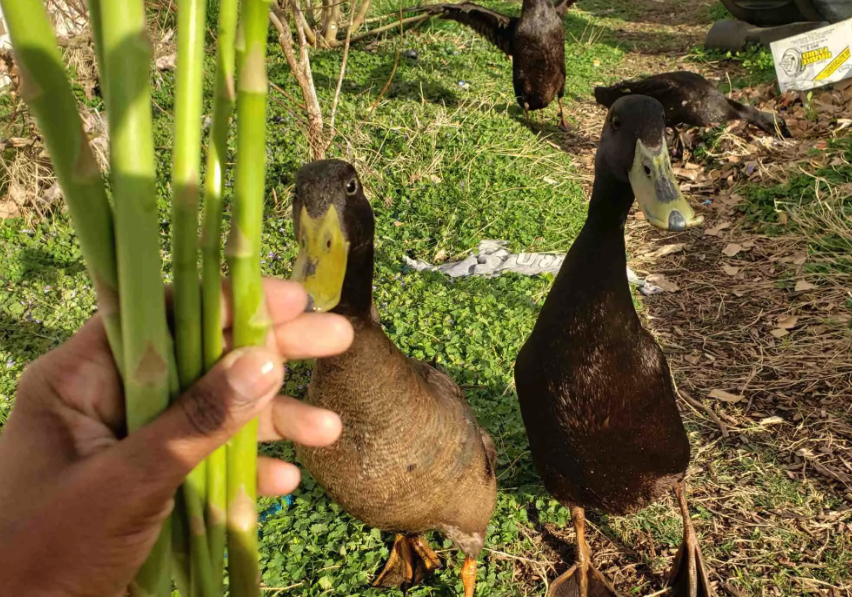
535 41
411 457
689 98
595 390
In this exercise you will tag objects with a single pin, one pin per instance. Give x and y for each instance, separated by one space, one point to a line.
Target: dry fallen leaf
716 231
730 269
168 62
739 293
800 258
771 421
802 285
693 359
732 249
788 322
726 396
667 250
663 282
779 333
782 218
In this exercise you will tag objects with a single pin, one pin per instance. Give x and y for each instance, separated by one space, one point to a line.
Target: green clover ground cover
447 161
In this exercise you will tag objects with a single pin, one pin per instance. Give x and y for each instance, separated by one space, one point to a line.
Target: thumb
206 416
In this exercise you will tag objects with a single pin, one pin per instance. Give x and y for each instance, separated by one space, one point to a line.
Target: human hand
80 507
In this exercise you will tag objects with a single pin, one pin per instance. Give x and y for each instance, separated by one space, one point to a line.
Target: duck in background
535 41
596 394
412 457
689 98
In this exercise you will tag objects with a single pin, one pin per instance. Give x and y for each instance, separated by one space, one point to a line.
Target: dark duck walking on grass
412 457
535 41
596 394
689 98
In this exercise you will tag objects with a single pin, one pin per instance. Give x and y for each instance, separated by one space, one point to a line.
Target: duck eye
647 171
616 122
328 244
351 187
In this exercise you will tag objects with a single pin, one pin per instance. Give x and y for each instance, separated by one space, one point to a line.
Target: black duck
411 457
596 394
689 98
535 41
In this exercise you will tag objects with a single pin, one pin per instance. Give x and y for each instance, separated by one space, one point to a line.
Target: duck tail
606 96
768 122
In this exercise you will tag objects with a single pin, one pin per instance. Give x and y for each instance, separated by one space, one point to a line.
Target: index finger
285 300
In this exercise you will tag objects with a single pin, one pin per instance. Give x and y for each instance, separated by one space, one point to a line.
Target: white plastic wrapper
492 259
814 59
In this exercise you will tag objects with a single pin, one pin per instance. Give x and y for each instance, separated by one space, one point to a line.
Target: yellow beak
321 264
654 185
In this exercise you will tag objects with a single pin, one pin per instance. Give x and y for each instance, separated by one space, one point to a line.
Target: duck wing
442 385
493 26
562 6
667 91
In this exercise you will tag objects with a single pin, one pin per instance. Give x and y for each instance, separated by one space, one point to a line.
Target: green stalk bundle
250 321
121 247
211 292
186 175
46 90
147 345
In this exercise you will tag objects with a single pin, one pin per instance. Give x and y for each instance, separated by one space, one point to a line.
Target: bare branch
359 17
309 32
407 21
333 23
303 78
315 126
331 130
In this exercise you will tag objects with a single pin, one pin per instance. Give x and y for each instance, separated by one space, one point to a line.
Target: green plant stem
147 345
186 177
46 90
223 107
250 321
97 32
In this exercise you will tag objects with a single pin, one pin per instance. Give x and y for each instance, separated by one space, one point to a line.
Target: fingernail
252 372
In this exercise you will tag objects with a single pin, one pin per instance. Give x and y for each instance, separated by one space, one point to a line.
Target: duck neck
356 296
600 245
536 6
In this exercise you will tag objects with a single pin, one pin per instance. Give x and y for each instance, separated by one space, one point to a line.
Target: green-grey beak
654 185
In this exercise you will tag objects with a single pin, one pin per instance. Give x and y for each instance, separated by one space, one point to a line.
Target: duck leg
562 124
468 574
410 562
688 576
582 579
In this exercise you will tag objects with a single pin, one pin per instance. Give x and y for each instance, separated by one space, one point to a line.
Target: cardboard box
814 59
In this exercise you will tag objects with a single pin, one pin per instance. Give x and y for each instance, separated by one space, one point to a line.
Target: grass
447 161
758 68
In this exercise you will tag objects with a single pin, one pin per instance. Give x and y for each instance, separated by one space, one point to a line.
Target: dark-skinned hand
81 505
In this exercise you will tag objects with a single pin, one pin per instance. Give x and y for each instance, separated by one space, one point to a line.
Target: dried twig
695 403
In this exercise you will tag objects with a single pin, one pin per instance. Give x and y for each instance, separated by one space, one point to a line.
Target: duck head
633 149
334 227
